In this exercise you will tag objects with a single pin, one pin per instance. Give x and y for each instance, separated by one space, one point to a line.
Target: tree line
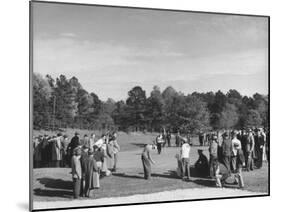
63 103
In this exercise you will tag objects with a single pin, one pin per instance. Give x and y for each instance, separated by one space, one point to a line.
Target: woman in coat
89 167
110 155
56 151
98 156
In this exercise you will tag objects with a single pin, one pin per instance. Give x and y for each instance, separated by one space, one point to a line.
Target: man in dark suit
75 142
260 139
226 151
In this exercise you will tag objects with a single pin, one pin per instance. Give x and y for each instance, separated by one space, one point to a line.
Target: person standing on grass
37 144
75 142
98 156
184 155
88 168
236 145
221 174
177 139
64 150
260 139
83 160
76 172
159 142
103 143
44 151
201 138
91 142
240 161
56 150
168 136
226 151
213 150
116 149
110 154
147 160
250 150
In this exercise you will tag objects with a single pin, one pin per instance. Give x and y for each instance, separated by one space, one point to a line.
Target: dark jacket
226 147
240 158
73 144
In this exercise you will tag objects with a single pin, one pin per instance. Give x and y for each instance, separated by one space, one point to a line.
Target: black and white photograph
134 105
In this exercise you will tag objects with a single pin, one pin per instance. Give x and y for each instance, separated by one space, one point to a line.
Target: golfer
147 160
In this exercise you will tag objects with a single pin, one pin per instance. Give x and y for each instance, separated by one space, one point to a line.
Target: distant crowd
230 151
88 158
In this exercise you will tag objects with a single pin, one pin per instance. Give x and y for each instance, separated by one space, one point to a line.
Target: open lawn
54 184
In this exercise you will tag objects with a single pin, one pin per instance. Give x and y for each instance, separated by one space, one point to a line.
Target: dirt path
180 194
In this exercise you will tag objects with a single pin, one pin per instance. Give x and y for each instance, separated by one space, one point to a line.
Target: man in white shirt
185 150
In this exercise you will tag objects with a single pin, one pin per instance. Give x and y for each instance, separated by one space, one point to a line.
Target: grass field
53 184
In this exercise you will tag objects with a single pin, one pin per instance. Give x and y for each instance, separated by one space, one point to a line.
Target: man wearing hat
184 155
83 160
74 142
76 172
249 153
236 145
213 150
260 142
89 166
201 165
226 150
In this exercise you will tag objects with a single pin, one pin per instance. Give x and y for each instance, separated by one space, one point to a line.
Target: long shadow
56 183
141 145
170 174
205 182
127 176
53 193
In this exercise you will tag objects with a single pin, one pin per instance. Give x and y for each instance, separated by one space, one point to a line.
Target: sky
111 50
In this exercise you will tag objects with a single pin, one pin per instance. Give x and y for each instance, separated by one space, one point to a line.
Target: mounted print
139 105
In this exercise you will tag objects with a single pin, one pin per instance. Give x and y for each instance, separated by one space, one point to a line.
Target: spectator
226 151
250 145
239 165
76 172
89 167
73 144
83 160
116 149
213 150
201 165
159 142
184 154
236 145
168 136
147 160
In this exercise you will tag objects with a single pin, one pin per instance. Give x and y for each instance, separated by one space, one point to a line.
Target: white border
14 102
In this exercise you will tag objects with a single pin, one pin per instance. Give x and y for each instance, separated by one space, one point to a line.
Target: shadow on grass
141 145
127 176
53 193
55 183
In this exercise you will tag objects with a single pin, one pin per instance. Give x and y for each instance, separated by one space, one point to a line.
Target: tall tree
137 102
155 109
190 114
253 119
42 93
